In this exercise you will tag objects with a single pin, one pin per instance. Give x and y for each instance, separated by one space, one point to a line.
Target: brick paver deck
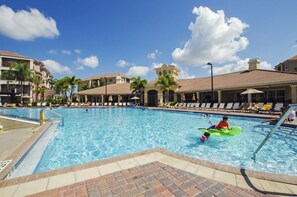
153 179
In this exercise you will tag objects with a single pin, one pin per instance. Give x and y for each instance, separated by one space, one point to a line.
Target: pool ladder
279 122
42 118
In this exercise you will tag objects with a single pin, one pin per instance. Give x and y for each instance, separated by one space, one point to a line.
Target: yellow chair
266 107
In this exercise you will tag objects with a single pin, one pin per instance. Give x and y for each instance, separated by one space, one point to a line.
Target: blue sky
91 37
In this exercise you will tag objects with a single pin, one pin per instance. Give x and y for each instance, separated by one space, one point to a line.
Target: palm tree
137 86
8 76
36 79
22 73
72 82
166 82
43 90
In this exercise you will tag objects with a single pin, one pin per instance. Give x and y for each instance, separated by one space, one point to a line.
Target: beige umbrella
135 98
110 98
193 97
251 91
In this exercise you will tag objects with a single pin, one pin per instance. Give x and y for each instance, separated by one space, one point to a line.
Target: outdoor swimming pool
108 132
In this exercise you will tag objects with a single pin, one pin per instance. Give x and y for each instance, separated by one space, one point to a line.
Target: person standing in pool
205 136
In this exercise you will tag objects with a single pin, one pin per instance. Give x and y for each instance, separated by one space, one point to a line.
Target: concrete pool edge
287 179
18 154
75 174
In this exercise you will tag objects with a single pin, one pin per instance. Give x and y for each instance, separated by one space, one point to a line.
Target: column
145 99
198 96
78 98
86 98
160 98
175 97
102 99
219 96
293 93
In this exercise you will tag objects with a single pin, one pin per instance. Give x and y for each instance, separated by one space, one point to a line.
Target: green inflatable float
236 130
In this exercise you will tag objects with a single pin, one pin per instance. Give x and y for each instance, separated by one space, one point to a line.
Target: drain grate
3 164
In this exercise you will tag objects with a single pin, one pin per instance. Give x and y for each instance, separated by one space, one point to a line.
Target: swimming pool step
29 162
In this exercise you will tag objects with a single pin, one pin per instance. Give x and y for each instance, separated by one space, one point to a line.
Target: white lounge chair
229 106
222 106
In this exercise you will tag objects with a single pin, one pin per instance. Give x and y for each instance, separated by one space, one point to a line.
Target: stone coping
54 181
219 167
18 154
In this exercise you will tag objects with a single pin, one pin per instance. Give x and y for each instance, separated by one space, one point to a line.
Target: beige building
290 65
101 80
10 90
277 87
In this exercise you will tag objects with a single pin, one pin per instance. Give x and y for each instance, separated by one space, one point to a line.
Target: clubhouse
277 86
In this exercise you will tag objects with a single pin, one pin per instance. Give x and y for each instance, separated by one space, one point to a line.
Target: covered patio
113 93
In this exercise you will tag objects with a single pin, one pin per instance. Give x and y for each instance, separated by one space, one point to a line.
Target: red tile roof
113 89
11 54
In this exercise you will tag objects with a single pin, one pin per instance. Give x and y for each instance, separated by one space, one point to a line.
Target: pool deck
155 172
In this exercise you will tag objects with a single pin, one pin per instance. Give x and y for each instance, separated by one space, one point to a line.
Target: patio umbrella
251 91
135 98
110 98
193 97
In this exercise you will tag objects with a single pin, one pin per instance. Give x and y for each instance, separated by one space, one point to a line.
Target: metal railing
52 112
279 122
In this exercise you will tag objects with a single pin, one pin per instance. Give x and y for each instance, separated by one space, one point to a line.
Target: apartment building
289 65
10 90
101 80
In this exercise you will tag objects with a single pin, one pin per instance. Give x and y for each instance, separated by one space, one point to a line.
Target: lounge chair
235 106
110 104
215 106
277 107
202 106
188 105
38 104
266 108
229 106
116 104
120 104
222 106
207 106
105 104
43 104
124 104
97 104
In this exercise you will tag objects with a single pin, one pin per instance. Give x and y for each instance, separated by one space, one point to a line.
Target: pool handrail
279 122
52 112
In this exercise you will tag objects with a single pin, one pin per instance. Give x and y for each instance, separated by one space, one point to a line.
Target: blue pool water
109 132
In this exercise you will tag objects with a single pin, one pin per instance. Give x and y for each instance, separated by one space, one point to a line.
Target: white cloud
239 65
80 68
67 52
91 61
153 55
184 74
26 25
77 51
52 51
214 38
136 71
122 63
56 67
156 65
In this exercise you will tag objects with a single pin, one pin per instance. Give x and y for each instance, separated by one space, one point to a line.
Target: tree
42 90
166 82
137 86
36 79
8 76
22 73
72 82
